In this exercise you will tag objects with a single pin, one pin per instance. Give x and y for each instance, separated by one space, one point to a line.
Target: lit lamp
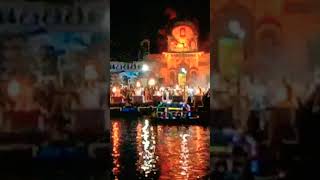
183 70
152 82
138 84
14 88
145 68
90 72
114 89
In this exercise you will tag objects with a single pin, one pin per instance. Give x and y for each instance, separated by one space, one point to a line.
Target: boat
129 109
175 111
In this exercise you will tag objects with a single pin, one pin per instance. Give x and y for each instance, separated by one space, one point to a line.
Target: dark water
145 151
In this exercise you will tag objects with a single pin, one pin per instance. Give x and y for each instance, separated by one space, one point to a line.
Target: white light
152 82
14 88
138 84
114 89
183 70
145 68
190 90
177 87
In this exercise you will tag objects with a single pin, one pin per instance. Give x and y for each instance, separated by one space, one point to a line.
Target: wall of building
290 58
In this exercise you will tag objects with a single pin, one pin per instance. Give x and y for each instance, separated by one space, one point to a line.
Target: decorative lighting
114 89
116 133
145 68
152 82
138 84
184 156
147 154
191 90
183 70
158 93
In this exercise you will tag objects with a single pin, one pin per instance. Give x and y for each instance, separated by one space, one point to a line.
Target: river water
141 150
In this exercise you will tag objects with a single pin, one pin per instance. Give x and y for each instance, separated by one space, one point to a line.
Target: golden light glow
147 145
184 153
115 132
138 84
152 82
183 32
184 156
175 109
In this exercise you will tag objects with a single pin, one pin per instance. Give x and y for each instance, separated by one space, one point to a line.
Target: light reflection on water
159 151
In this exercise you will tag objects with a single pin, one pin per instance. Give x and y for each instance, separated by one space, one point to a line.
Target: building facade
278 37
182 57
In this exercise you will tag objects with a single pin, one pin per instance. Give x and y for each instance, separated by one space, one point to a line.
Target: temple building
183 63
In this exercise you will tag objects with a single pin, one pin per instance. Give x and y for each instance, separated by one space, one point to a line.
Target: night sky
131 23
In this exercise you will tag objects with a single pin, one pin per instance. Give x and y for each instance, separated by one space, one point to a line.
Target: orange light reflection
115 132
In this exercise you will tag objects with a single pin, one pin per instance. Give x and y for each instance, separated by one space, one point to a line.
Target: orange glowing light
183 39
180 45
183 32
115 147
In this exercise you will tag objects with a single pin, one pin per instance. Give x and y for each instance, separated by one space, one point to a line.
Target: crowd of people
53 103
279 117
127 93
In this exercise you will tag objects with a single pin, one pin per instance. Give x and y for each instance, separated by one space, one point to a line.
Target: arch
193 74
232 11
268 34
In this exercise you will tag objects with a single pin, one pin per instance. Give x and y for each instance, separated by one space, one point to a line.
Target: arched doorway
232 21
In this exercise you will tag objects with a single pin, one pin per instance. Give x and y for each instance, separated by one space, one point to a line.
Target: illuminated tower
183 54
